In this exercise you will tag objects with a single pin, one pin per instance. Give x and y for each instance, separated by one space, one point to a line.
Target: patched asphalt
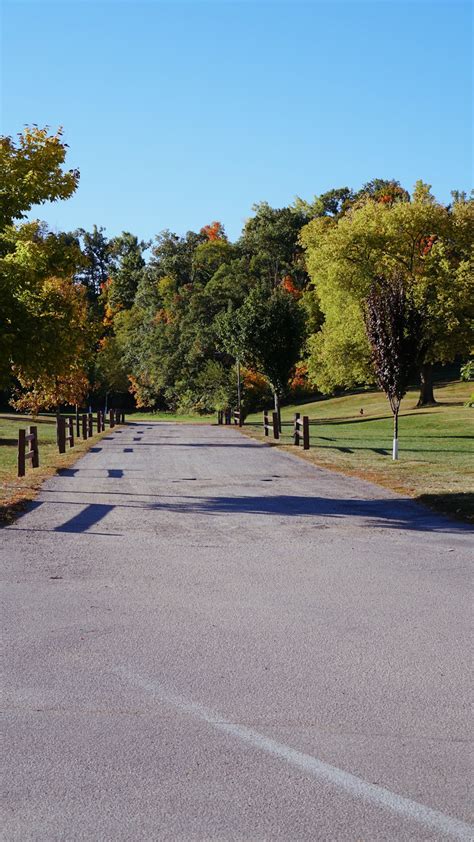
183 601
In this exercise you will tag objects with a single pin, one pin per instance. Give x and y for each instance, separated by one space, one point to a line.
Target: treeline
91 318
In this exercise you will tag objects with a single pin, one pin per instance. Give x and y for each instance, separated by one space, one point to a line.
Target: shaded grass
436 463
16 492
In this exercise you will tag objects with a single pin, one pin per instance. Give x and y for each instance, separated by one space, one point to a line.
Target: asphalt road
210 640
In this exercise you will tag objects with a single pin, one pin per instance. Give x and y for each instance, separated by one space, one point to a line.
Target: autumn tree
46 334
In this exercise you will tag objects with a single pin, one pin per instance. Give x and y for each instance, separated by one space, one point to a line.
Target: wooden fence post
78 426
21 453
276 425
84 427
111 419
33 446
90 424
61 425
265 423
305 432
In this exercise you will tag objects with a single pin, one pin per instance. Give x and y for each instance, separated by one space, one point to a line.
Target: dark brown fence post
99 426
305 432
32 437
70 426
78 426
90 424
111 419
21 452
276 425
61 425
84 426
265 423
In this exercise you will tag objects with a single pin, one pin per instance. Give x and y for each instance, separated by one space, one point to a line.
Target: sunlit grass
436 444
16 491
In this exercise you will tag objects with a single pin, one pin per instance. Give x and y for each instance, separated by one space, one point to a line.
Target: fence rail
28 449
224 416
273 427
65 433
27 438
301 430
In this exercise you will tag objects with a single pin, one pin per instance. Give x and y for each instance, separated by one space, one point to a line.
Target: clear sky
180 113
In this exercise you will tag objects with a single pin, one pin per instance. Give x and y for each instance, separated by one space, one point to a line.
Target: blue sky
180 113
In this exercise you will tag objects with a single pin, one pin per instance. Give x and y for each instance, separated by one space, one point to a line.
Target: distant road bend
208 639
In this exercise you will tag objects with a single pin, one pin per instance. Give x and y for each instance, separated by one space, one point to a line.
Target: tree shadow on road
386 513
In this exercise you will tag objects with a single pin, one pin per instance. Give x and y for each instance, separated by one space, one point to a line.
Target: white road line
356 787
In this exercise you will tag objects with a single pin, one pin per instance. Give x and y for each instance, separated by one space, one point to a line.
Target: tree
332 203
172 256
431 244
52 368
33 265
97 251
31 172
270 241
110 375
266 333
127 250
393 328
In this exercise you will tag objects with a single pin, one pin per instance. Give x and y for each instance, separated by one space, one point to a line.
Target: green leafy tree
32 172
266 333
98 260
172 256
430 243
270 241
128 270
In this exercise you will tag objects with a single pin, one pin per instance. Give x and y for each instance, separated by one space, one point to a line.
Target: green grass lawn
436 463
436 457
16 491
174 417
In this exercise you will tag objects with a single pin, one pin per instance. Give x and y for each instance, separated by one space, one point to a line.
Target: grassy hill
436 461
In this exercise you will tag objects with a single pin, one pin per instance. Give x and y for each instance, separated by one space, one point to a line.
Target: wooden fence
274 426
65 428
301 430
224 416
28 439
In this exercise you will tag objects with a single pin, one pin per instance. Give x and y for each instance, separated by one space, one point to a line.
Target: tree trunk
395 435
277 408
426 386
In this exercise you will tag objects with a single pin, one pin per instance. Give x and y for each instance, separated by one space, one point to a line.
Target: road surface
208 639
